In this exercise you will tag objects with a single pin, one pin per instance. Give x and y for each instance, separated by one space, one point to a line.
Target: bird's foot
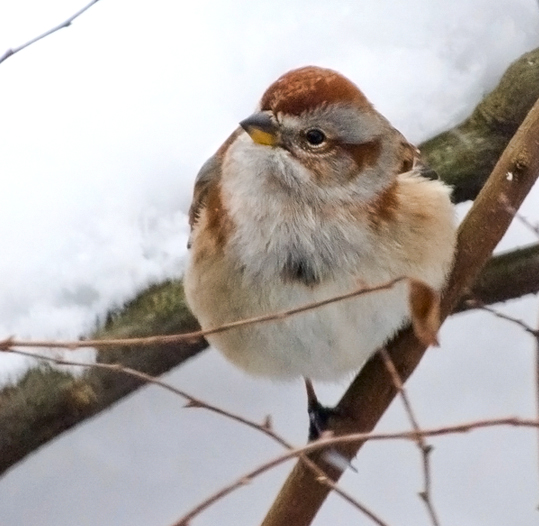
319 415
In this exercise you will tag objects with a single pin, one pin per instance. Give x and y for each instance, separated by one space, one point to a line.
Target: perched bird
314 195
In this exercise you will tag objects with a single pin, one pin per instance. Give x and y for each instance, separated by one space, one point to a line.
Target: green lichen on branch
465 155
47 401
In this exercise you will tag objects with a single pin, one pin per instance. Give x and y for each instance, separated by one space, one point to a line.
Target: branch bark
373 389
465 155
46 402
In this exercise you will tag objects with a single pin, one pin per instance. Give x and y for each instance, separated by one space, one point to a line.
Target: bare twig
248 477
66 23
526 222
324 443
192 401
534 228
196 402
506 317
466 427
173 338
425 449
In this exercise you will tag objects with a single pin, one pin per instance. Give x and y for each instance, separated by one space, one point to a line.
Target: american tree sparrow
312 196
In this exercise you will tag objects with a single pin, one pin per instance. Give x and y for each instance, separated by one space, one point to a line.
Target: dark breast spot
298 269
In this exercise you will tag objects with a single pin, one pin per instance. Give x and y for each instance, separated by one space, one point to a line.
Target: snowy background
103 127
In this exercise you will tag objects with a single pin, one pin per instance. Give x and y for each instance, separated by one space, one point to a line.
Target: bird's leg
319 415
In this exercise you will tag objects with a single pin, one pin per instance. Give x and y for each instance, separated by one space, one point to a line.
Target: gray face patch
340 122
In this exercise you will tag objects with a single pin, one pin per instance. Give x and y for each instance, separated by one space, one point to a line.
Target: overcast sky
103 127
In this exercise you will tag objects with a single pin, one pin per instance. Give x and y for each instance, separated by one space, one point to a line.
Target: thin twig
196 402
300 452
192 401
528 329
478 305
424 448
522 218
466 427
248 477
66 23
355 437
174 338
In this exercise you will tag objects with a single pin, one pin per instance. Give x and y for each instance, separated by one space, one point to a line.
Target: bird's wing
208 175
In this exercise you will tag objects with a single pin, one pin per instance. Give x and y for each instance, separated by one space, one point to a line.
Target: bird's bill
261 128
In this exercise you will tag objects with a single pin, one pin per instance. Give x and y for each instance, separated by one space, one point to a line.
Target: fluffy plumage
316 195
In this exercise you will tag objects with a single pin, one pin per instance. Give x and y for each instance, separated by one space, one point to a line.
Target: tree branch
47 402
464 156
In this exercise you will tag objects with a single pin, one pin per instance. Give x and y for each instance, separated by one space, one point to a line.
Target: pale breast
282 253
324 343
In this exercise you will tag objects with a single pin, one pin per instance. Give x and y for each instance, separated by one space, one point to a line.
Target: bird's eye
315 137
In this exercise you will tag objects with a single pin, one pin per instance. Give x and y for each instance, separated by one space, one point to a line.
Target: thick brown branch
373 389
